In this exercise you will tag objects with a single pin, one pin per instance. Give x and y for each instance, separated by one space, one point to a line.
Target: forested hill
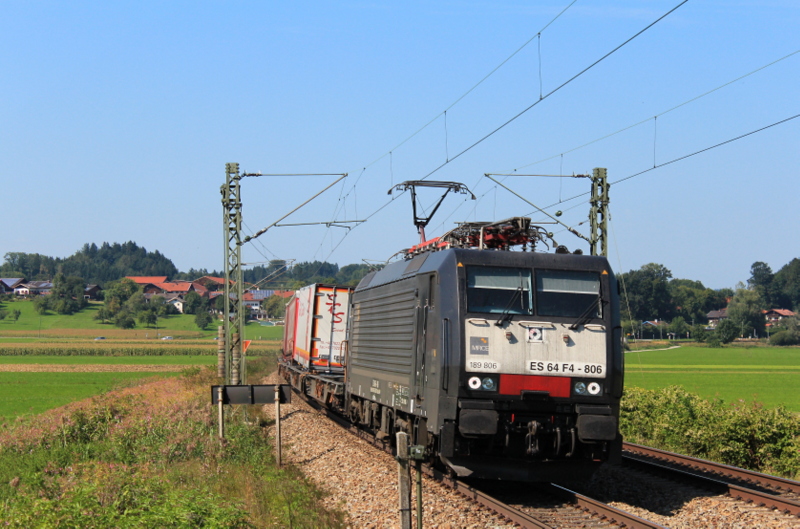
96 265
109 262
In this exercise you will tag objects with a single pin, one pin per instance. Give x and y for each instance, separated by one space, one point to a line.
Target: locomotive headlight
474 383
488 384
588 389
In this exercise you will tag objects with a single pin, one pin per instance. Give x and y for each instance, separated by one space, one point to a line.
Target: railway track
553 506
753 487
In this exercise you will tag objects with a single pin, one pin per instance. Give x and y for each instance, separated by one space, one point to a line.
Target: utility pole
598 215
235 311
234 314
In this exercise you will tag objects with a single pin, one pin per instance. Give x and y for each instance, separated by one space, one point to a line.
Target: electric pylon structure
234 313
598 214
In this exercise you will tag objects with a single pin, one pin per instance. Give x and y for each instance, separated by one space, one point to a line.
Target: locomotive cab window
569 294
498 290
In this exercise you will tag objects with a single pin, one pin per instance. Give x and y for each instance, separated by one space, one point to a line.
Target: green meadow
186 360
32 325
768 375
33 393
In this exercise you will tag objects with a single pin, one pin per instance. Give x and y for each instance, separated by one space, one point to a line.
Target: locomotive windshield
567 293
499 290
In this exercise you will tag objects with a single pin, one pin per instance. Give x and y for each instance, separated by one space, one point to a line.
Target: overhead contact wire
676 107
562 85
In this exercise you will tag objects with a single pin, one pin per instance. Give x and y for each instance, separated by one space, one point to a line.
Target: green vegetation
33 393
110 360
148 456
732 374
95 265
746 435
33 323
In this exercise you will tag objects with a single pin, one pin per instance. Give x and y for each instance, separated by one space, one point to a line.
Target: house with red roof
773 316
145 280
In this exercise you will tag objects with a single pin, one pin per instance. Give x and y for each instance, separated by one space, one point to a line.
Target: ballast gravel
362 480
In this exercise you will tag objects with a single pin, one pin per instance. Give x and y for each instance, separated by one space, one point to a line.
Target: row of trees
651 293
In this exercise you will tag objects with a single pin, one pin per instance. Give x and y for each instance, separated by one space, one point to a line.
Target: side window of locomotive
569 294
498 290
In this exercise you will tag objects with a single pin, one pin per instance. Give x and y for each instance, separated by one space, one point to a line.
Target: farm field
765 374
184 360
36 392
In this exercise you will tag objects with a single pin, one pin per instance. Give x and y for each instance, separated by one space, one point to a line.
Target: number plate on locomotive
578 369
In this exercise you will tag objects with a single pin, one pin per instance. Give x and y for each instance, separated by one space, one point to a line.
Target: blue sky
118 118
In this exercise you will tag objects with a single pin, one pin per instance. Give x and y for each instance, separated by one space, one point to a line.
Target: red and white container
316 327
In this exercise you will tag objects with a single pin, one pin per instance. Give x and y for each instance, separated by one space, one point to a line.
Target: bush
727 331
745 435
785 338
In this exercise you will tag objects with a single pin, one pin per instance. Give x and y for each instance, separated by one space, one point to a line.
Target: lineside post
221 414
404 480
278 424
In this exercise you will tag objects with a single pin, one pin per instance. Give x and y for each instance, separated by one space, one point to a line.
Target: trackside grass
767 375
148 456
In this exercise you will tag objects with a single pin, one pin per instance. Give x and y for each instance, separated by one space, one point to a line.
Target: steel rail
605 511
749 476
717 475
594 507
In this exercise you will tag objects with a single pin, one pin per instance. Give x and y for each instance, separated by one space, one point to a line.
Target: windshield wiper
506 314
586 315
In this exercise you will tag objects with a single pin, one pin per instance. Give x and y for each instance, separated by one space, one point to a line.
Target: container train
499 361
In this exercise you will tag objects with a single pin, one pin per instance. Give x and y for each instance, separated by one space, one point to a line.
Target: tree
117 294
66 296
15 314
147 317
40 305
761 278
679 327
158 305
727 331
3 314
745 311
274 306
203 319
787 286
219 303
103 315
648 292
192 302
124 320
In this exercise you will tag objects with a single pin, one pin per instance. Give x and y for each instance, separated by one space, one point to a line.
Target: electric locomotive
500 364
